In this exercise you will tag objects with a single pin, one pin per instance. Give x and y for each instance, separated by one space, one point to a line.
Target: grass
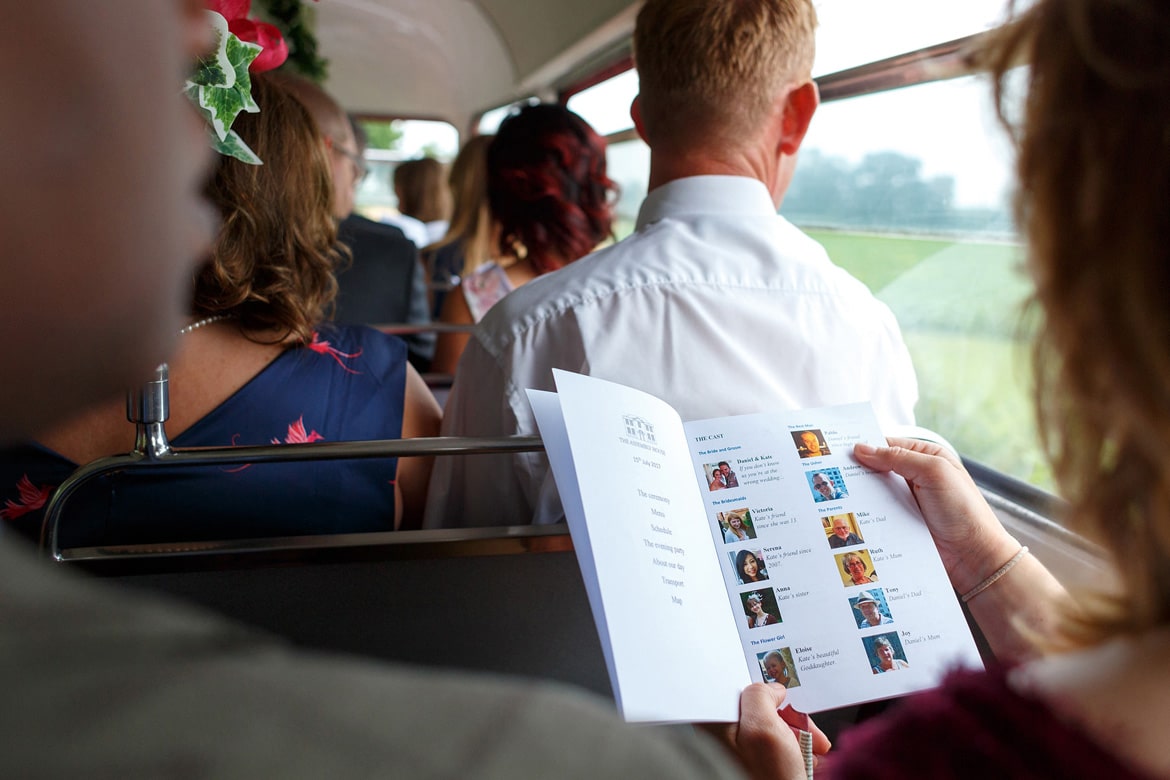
959 304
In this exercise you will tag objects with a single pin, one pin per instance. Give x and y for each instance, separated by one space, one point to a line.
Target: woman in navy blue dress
258 364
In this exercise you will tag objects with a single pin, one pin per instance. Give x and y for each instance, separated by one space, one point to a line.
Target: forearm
1017 608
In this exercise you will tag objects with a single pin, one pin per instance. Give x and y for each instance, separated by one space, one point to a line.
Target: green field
959 304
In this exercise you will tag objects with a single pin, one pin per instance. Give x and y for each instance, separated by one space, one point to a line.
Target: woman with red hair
551 203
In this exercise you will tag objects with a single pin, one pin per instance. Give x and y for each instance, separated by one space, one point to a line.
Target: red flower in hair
262 34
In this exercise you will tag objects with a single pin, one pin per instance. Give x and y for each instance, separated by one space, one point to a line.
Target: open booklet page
838 590
636 516
783 561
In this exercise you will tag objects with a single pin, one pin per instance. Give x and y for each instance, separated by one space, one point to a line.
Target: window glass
909 191
606 106
852 33
391 142
628 164
490 121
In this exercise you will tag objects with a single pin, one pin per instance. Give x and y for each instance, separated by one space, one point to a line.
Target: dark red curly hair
547 186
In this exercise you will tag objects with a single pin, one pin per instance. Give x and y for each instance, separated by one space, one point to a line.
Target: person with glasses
857 569
824 488
384 283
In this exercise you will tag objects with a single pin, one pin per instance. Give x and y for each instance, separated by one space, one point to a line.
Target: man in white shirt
715 304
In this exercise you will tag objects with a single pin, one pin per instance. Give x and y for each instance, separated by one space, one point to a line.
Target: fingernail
864 449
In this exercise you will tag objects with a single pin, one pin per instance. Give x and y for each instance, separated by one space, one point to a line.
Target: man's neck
754 163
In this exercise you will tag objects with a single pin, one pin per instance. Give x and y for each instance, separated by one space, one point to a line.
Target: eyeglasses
359 162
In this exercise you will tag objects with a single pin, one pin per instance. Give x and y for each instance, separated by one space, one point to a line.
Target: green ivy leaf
215 70
221 88
233 146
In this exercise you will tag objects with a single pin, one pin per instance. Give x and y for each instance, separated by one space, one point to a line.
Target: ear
799 106
636 115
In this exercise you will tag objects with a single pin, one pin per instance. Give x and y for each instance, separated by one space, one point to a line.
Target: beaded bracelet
995 575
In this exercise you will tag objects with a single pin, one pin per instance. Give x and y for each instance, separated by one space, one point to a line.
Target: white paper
648 522
676 655
819 634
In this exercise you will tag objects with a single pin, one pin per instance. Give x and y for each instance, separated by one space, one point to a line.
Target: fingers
765 743
919 462
821 743
799 721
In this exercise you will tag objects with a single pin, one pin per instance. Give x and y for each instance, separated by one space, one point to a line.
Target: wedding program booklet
755 547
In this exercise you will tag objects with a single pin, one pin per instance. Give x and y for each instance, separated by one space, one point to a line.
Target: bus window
627 160
909 190
490 121
850 33
606 106
391 142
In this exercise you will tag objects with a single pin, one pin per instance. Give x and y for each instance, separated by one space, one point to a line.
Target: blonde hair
471 219
1094 181
711 69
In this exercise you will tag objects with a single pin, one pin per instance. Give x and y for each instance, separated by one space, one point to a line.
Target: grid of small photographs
846 547
757 597
851 554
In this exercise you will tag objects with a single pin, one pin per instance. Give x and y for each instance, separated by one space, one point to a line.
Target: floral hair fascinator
221 86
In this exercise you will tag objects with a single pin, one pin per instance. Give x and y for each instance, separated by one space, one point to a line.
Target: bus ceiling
452 59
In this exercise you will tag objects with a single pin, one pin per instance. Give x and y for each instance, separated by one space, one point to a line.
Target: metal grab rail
410 328
148 408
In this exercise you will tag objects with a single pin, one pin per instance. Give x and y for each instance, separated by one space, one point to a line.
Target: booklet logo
640 433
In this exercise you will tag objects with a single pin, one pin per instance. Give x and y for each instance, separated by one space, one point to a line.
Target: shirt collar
738 195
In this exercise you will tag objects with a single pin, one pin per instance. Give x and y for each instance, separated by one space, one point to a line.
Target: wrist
981 561
996 575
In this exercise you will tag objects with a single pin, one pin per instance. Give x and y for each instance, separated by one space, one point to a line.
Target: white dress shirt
715 304
412 228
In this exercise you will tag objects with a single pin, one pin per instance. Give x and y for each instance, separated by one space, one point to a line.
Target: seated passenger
550 198
385 282
715 302
424 202
255 365
470 240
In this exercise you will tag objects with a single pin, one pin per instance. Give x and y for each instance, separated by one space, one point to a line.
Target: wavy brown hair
1094 173
273 262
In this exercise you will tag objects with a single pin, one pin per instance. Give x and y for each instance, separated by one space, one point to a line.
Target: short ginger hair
711 69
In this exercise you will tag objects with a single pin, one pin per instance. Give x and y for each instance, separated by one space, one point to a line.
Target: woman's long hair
740 559
1094 184
471 219
273 263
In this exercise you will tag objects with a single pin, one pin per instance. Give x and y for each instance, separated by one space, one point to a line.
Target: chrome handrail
148 408
410 328
271 453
